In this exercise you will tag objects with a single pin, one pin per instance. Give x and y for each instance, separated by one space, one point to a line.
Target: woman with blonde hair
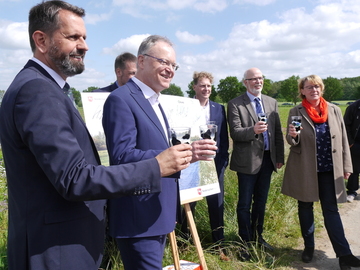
318 162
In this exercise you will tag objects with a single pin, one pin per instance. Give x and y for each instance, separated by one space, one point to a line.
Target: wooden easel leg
195 235
174 250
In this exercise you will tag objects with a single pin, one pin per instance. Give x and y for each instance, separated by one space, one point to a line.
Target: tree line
286 90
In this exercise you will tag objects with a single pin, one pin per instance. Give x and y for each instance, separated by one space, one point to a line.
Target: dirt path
324 257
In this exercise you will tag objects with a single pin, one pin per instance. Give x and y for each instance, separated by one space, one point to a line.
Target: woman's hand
292 131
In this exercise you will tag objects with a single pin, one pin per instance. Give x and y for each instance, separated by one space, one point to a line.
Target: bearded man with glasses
258 150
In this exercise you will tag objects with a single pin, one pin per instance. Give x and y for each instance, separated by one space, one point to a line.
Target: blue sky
224 37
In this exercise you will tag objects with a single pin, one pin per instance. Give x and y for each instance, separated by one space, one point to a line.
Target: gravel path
324 256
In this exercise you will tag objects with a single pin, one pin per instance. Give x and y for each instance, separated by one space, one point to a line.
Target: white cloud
90 77
186 37
140 6
211 6
130 44
14 35
95 18
11 61
255 2
317 42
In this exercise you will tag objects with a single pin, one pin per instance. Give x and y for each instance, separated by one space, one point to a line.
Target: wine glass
208 131
178 135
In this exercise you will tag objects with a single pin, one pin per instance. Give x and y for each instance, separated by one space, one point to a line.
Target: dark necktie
66 90
259 109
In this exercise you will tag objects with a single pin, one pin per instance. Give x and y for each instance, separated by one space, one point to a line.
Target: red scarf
312 112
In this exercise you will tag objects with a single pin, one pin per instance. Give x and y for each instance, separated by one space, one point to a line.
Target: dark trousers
144 253
216 213
331 216
253 193
353 181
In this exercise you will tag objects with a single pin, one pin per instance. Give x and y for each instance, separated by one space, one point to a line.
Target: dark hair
150 41
120 61
45 17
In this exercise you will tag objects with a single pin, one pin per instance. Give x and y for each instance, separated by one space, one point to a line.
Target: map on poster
200 178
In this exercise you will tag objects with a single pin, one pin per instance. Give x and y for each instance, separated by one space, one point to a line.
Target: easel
194 233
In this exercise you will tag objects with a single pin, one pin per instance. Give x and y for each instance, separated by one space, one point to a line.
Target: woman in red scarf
318 162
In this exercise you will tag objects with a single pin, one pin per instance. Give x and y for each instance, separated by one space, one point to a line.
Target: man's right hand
174 159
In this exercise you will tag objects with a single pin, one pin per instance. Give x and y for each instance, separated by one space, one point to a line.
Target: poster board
200 178
93 103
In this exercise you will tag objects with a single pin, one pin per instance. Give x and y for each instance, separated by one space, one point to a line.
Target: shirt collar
252 97
60 81
148 93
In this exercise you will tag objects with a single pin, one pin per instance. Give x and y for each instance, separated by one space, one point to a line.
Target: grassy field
281 227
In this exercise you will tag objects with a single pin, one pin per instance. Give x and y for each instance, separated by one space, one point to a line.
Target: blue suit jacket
217 114
55 219
134 132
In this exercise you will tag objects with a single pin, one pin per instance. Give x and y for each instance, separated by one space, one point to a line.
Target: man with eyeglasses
258 150
136 129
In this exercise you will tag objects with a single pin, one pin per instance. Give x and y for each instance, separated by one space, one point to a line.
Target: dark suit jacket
217 114
108 88
134 132
352 122
248 149
55 221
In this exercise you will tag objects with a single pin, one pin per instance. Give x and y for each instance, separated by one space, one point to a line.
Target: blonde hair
202 74
314 79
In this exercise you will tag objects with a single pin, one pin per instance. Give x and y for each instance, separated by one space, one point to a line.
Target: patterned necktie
259 109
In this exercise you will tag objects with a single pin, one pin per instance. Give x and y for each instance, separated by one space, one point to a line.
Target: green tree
333 89
357 93
173 90
191 93
289 89
2 93
275 90
230 88
267 89
77 96
91 88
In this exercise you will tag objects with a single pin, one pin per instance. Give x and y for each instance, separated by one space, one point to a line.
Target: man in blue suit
125 68
56 187
136 129
212 111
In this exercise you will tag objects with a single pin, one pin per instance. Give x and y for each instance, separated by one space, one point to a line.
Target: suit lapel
249 107
35 65
213 111
145 105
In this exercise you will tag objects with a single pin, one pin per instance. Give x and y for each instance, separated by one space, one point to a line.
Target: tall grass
281 228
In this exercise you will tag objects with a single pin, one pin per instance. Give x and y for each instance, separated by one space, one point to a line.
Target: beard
65 63
255 91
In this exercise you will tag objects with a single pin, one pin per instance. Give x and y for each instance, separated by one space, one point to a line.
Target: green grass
3 216
281 227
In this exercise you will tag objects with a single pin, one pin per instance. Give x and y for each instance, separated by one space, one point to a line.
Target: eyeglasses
164 62
255 79
310 87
